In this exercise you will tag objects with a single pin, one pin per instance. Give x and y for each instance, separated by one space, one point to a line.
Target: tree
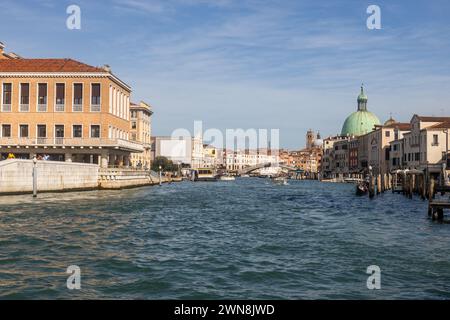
166 164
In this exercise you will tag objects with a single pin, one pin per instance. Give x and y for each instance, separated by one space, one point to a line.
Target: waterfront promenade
225 240
16 176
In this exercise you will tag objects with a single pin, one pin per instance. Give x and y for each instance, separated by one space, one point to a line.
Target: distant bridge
268 165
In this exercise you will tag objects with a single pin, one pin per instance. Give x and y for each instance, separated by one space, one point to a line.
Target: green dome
359 123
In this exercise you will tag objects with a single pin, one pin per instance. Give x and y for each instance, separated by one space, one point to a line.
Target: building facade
426 145
239 160
141 131
65 110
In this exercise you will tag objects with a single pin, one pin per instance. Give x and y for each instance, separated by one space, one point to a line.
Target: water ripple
233 240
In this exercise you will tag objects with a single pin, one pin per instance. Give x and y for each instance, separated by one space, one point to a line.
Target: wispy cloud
263 63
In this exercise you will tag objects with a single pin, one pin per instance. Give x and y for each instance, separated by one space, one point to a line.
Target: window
23 131
78 97
59 131
60 97
95 97
133 124
24 97
42 97
59 134
435 140
42 131
387 134
95 131
7 96
77 131
6 131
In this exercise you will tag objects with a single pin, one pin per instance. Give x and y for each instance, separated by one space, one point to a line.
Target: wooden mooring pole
378 183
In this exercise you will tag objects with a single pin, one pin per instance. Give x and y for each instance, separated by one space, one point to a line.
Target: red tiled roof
433 119
401 126
442 125
46 65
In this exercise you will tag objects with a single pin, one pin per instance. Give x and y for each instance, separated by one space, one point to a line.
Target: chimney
2 46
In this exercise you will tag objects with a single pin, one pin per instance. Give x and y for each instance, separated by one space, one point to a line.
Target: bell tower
309 139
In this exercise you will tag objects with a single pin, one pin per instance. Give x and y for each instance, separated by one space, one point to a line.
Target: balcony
96 108
6 108
60 107
117 144
24 107
77 108
42 108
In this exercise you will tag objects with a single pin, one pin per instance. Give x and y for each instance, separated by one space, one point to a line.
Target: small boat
352 180
227 178
362 188
279 180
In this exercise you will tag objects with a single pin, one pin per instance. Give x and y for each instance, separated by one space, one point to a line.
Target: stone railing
73 142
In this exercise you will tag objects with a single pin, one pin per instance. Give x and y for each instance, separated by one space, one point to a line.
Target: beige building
426 145
140 131
64 110
378 145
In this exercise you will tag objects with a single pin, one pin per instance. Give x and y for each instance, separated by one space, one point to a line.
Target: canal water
247 239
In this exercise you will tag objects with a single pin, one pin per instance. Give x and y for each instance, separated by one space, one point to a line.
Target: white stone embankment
16 176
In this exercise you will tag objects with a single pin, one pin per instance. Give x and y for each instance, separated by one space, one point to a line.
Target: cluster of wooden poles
409 183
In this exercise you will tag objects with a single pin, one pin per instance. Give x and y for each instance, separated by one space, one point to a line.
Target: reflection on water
242 239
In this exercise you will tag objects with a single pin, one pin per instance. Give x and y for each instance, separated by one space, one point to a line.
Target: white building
238 160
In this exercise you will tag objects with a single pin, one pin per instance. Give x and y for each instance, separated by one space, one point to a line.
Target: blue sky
289 65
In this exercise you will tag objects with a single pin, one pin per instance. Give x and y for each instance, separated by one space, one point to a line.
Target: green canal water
225 240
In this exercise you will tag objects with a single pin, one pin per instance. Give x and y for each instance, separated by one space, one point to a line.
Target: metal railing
60 107
24 107
77 108
96 108
6 107
42 108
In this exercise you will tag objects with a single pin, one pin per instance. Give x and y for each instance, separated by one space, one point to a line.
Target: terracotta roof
401 126
433 119
46 65
442 125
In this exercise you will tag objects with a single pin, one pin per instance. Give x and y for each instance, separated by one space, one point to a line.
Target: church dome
390 122
362 121
318 142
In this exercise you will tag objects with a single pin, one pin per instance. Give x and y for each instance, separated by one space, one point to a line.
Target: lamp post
160 175
34 177
446 156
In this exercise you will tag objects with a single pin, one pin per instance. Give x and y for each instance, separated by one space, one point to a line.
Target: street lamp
34 177
446 156
160 175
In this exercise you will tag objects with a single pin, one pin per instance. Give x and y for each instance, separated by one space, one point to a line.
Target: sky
290 65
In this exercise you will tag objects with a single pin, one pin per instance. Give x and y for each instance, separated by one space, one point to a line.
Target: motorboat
227 178
279 180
